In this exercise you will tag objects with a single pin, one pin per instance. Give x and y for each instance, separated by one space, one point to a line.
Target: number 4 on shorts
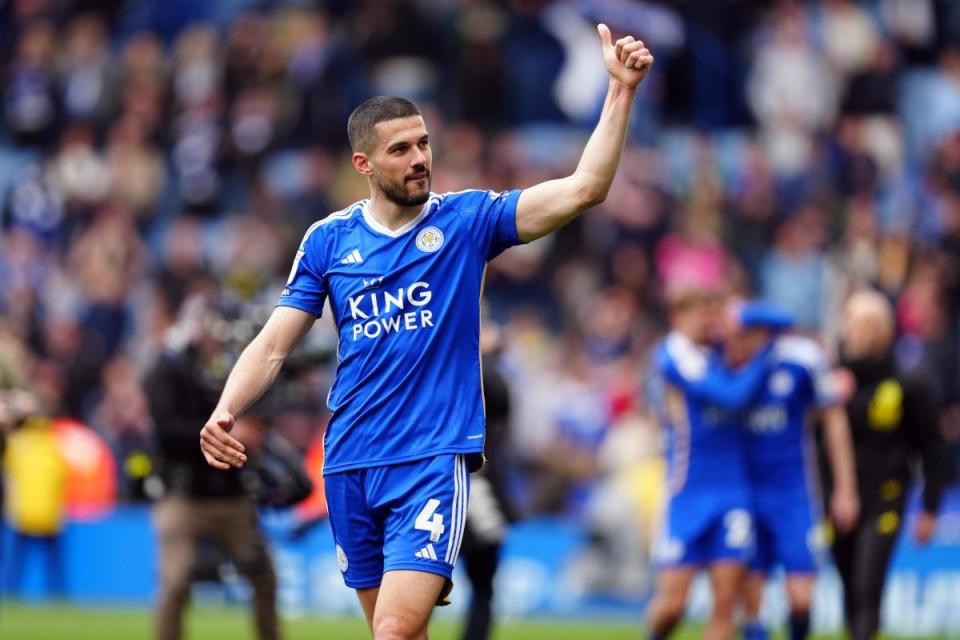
429 520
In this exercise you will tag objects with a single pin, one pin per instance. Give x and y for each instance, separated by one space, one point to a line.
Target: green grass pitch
58 623
19 622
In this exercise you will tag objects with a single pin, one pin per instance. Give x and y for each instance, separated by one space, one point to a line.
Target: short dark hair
360 125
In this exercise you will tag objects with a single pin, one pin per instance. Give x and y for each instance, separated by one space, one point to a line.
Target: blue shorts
701 534
400 516
789 533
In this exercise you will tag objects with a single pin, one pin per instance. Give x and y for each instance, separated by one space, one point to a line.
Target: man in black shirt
894 418
200 503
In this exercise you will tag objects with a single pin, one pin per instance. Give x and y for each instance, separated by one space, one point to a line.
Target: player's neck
391 215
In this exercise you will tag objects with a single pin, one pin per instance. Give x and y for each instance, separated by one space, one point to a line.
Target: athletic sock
799 626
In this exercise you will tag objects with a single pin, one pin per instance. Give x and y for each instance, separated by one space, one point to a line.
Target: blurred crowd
151 151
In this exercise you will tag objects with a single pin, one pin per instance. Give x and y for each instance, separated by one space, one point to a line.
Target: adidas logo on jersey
427 553
353 257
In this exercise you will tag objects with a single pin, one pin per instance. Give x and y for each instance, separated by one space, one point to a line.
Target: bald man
894 419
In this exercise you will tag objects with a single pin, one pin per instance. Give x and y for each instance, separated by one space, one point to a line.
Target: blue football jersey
700 402
406 304
779 445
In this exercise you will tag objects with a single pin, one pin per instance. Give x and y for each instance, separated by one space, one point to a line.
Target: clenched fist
220 448
627 60
844 509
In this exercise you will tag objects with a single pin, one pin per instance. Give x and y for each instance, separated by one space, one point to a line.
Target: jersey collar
396 233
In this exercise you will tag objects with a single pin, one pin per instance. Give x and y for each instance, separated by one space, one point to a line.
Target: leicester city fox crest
429 239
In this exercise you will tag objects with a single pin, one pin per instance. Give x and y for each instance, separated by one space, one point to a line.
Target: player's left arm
719 386
845 500
922 416
548 206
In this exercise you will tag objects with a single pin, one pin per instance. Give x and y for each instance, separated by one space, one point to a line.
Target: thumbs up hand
627 59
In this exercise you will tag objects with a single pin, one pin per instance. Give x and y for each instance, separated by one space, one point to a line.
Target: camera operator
199 502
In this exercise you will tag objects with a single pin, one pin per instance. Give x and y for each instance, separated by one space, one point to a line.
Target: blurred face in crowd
15 406
398 160
868 328
699 316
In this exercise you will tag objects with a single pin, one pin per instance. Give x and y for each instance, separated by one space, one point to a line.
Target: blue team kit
398 516
707 515
407 407
781 460
741 483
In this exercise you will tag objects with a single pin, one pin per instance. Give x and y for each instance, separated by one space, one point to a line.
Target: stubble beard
398 192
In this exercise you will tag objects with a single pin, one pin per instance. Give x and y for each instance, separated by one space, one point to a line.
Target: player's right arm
546 207
301 303
250 378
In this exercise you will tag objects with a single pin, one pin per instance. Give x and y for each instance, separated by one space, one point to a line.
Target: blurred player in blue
707 522
403 272
781 459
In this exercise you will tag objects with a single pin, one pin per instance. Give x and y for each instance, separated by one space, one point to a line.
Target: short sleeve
306 288
493 218
681 362
824 385
807 354
822 381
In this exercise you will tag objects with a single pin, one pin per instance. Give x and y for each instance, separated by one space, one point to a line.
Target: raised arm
255 371
548 206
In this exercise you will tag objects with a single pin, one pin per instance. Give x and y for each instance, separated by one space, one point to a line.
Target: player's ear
361 162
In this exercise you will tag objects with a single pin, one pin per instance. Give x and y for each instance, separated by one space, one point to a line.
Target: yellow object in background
644 483
35 479
890 490
886 406
888 523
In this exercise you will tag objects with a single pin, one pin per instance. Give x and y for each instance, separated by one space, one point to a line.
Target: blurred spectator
30 102
850 35
136 170
86 77
106 259
694 256
480 62
928 347
931 103
121 415
792 274
873 90
78 172
35 475
792 90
